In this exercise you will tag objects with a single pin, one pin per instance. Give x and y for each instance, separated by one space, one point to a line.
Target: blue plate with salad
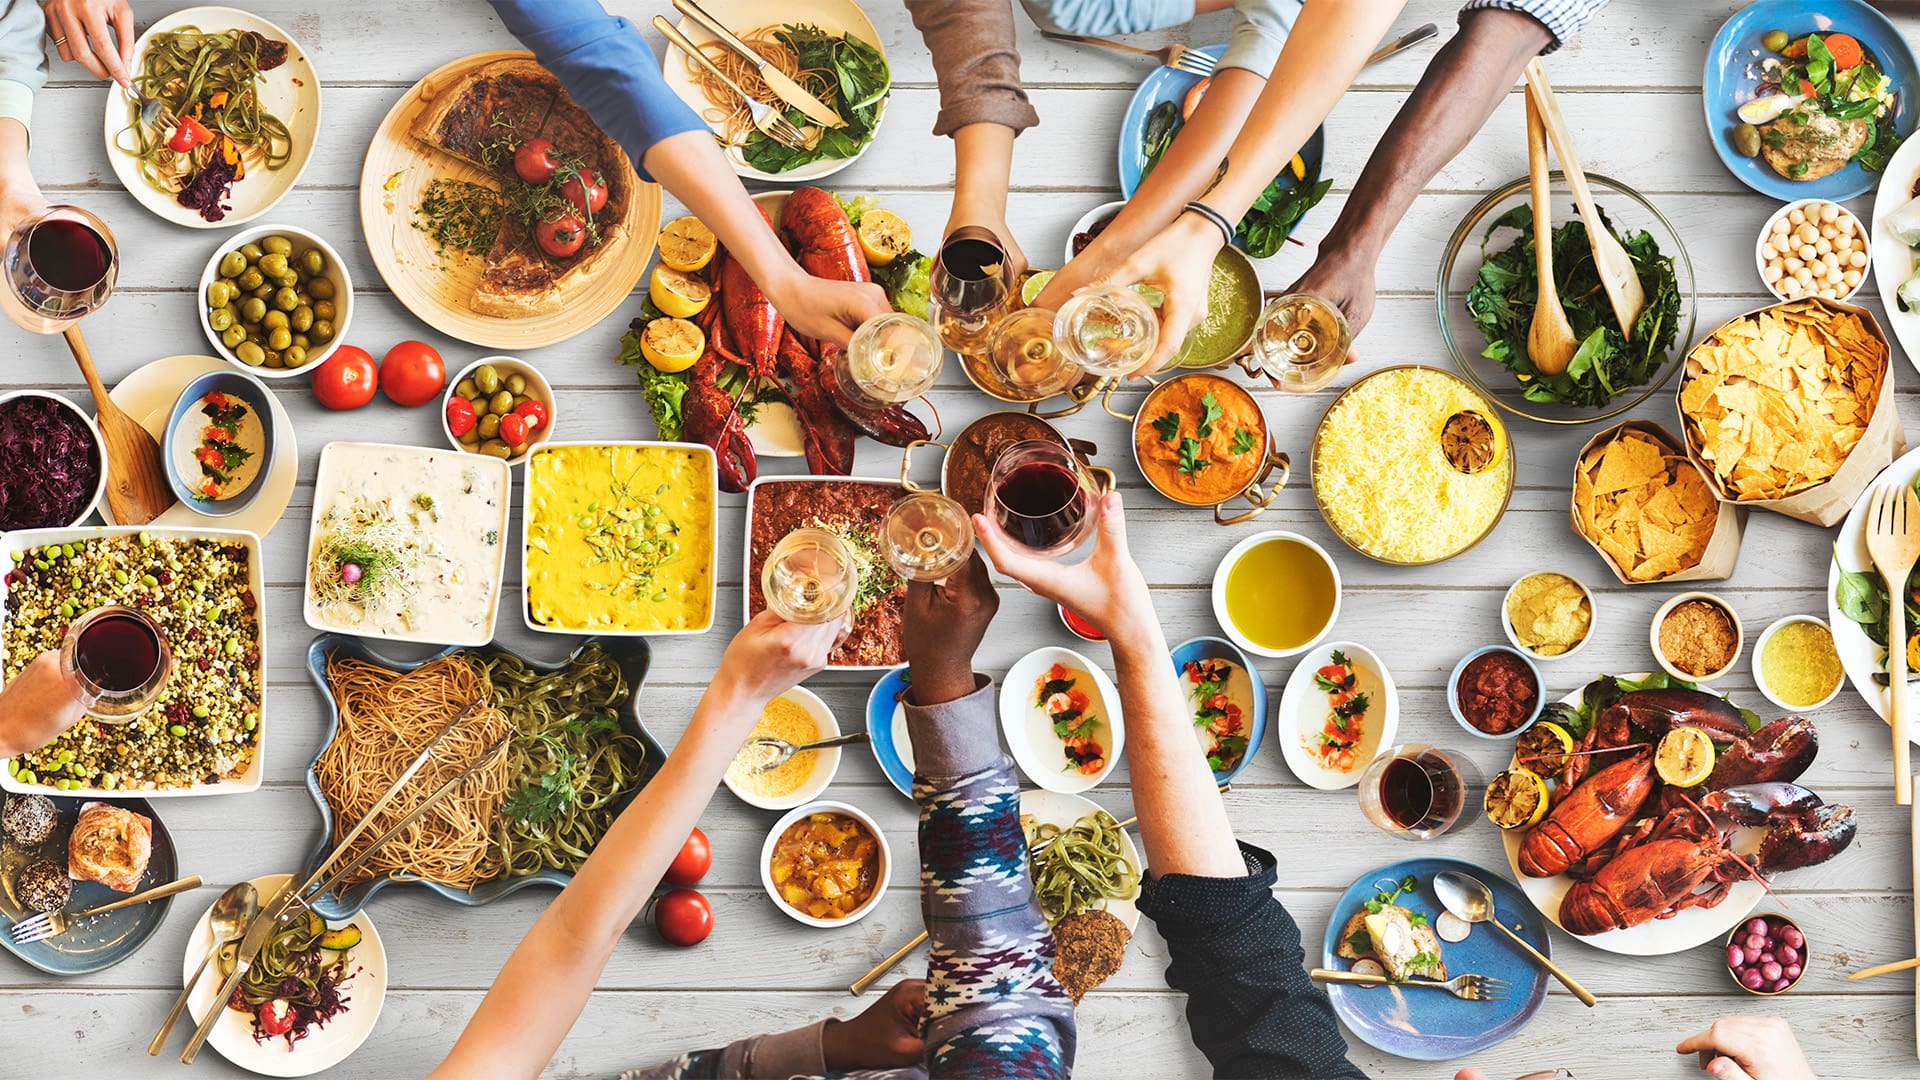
1809 100
1162 104
1391 922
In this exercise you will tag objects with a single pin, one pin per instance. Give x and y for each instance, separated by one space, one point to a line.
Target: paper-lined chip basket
1721 548
1781 412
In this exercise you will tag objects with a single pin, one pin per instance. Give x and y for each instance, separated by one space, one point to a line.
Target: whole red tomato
683 917
534 161
693 862
412 373
561 235
586 193
347 380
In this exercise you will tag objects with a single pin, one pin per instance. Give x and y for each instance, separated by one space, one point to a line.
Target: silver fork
1178 57
54 923
768 119
1470 986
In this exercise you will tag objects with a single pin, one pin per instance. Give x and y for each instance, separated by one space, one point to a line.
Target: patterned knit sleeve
994 1006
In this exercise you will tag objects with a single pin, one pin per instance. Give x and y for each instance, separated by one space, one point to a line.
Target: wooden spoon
137 489
1550 341
1617 274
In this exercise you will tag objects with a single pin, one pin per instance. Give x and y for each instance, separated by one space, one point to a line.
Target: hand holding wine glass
1107 587
38 705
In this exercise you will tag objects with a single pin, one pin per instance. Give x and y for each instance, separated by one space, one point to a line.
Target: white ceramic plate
1303 708
148 395
1893 261
1858 654
325 1046
1030 736
825 762
1660 937
837 16
290 92
1063 809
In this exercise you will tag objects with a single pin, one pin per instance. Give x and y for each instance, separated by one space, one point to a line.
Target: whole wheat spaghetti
385 720
728 109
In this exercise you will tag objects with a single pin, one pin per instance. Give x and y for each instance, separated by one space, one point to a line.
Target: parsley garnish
1242 441
1168 426
1190 460
1209 412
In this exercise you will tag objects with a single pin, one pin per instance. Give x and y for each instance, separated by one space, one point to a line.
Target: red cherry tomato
534 412
460 417
584 192
412 373
683 917
1192 102
561 235
695 858
513 430
274 1017
534 161
347 380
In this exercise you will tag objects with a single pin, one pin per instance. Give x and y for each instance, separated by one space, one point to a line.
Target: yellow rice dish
620 538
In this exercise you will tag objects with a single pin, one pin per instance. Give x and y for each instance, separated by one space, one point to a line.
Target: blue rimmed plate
1736 50
887 729
100 941
1433 1025
1254 690
633 656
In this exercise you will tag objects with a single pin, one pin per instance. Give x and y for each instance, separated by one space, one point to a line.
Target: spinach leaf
858 86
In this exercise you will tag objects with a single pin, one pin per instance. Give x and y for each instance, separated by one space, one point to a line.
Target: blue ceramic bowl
1213 648
1725 87
1453 695
251 392
633 656
886 740
103 940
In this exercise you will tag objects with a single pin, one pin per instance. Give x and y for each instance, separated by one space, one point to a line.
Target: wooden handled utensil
1617 274
1550 343
1893 541
137 489
1885 969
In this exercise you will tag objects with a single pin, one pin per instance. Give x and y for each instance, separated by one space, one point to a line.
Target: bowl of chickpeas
498 406
1813 247
275 300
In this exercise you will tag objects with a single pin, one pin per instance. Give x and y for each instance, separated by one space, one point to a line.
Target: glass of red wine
1415 791
1042 495
61 265
120 659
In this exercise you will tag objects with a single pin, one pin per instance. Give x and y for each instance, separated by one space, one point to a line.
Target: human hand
1106 587
1016 264
886 1035
1345 279
770 655
1749 1048
825 309
941 629
80 26
1178 262
37 705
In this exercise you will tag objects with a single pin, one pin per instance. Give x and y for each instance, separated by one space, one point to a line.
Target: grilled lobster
711 417
1585 821
1655 877
827 436
753 325
1801 829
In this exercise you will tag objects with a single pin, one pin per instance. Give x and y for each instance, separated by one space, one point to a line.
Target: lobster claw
1779 751
891 425
1757 804
1808 839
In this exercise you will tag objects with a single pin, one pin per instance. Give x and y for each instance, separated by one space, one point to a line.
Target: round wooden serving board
437 289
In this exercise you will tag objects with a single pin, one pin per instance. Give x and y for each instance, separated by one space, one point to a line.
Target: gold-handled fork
1893 541
54 923
1469 986
1178 57
765 117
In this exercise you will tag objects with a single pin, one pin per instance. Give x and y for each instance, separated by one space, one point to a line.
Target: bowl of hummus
219 442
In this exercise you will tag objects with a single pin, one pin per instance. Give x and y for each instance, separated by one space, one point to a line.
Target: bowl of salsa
1496 692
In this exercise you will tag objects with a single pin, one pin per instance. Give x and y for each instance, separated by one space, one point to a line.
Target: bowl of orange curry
826 864
1201 440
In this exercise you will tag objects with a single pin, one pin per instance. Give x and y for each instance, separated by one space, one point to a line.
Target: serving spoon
1468 899
228 921
1550 342
775 752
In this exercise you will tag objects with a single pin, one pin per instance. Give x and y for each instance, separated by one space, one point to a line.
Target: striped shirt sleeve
1562 18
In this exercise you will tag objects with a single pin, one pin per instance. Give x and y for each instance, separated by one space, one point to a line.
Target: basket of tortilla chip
1790 408
1648 510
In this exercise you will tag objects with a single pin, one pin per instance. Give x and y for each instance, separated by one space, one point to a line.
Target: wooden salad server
137 489
1617 274
1893 542
1550 343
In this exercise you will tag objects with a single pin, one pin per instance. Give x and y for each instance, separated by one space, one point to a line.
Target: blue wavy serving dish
1213 648
634 658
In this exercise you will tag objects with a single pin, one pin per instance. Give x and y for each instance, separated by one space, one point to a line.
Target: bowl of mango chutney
619 538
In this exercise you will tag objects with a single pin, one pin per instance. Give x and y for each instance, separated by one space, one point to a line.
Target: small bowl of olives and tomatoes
275 300
498 406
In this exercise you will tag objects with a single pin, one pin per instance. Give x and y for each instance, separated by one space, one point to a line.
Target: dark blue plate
1166 84
882 705
1213 648
1433 1025
101 941
1736 49
633 656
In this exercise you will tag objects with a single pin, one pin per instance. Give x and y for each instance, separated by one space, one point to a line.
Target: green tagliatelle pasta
573 765
1077 867
185 68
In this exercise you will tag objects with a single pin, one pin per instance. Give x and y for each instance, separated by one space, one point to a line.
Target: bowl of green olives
275 300
498 406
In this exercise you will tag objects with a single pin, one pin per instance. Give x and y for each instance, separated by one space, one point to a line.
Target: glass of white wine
1025 356
1301 342
811 576
892 358
926 536
1107 331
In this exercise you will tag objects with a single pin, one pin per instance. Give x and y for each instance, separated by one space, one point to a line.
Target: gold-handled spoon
227 922
1550 343
1469 900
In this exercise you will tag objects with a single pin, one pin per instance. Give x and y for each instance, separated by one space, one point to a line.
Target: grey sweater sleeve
975 61
23 65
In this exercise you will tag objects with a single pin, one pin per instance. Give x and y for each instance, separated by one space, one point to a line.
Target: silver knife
782 86
1404 42
258 934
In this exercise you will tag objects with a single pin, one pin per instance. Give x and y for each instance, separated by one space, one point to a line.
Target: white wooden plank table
1630 88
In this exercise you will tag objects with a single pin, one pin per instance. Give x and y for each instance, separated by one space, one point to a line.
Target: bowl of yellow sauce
619 538
1796 665
1276 593
799 717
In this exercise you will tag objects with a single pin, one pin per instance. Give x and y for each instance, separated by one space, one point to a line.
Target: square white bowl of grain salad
204 588
407 543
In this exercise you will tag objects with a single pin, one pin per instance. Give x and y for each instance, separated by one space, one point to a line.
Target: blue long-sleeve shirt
606 67
23 64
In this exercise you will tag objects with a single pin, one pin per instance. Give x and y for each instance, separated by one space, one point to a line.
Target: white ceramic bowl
798 812
1220 592
1086 222
537 388
1862 242
1759 676
1593 616
1659 616
1304 708
825 762
1029 734
336 272
99 450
